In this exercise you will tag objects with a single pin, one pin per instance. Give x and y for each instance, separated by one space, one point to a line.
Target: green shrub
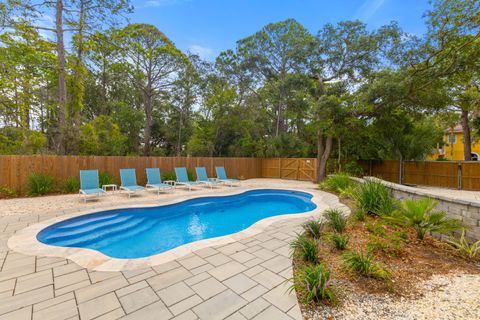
313 228
364 264
336 182
340 241
354 169
315 282
40 184
71 185
7 192
373 197
336 220
169 175
105 178
463 247
307 248
420 215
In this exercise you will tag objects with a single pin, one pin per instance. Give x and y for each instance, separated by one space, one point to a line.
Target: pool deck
243 279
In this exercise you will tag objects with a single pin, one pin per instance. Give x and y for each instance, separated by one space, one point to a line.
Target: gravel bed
451 296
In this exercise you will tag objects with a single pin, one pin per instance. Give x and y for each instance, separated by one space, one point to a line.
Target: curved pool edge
25 240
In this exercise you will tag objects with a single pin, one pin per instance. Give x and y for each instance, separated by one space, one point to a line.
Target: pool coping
25 240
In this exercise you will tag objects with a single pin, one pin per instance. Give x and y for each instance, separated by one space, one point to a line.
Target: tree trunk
323 148
179 137
62 88
467 141
323 153
147 135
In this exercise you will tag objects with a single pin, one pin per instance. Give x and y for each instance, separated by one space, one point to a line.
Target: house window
452 138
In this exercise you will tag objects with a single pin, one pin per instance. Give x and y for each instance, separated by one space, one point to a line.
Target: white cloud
203 52
368 9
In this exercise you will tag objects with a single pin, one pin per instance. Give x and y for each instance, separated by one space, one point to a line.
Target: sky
208 27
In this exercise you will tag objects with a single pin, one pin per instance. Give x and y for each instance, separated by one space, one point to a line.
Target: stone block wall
468 211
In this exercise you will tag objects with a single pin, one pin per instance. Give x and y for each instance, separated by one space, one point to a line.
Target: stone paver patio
246 279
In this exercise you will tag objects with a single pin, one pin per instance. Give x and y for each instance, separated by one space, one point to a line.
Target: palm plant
464 247
420 215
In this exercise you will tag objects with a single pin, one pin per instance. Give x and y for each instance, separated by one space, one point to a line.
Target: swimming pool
142 232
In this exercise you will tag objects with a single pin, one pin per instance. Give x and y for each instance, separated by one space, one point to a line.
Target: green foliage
420 215
307 248
21 141
390 246
71 185
40 184
313 228
315 282
7 192
373 197
336 220
365 264
105 178
464 248
340 241
336 182
101 137
169 175
353 169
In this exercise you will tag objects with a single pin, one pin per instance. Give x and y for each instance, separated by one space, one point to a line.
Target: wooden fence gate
290 168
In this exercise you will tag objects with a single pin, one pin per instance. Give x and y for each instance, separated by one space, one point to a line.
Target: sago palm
420 215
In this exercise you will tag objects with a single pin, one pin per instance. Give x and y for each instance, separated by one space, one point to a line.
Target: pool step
104 231
88 228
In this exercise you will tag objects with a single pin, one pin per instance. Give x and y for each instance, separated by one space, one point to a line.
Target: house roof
456 129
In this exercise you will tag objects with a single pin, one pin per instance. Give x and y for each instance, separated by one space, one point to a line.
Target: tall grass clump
313 228
105 178
339 241
373 197
71 185
306 247
364 264
40 184
337 182
169 175
336 220
464 248
315 282
421 215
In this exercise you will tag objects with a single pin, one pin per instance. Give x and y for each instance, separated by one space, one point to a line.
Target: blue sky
208 27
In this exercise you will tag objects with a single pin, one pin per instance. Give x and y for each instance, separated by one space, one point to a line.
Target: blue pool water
142 232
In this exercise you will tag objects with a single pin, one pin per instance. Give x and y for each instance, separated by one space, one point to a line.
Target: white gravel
445 297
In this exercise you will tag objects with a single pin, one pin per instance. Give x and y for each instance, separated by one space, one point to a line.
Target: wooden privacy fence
447 174
15 170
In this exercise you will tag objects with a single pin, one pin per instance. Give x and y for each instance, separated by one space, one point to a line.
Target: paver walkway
241 280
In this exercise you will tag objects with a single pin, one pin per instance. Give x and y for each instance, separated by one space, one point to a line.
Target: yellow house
452 148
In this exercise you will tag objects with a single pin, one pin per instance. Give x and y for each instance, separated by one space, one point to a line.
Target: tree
153 64
346 52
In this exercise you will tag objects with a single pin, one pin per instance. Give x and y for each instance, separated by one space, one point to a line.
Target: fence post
459 175
400 173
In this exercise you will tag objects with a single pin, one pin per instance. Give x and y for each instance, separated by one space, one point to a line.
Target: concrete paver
245 279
